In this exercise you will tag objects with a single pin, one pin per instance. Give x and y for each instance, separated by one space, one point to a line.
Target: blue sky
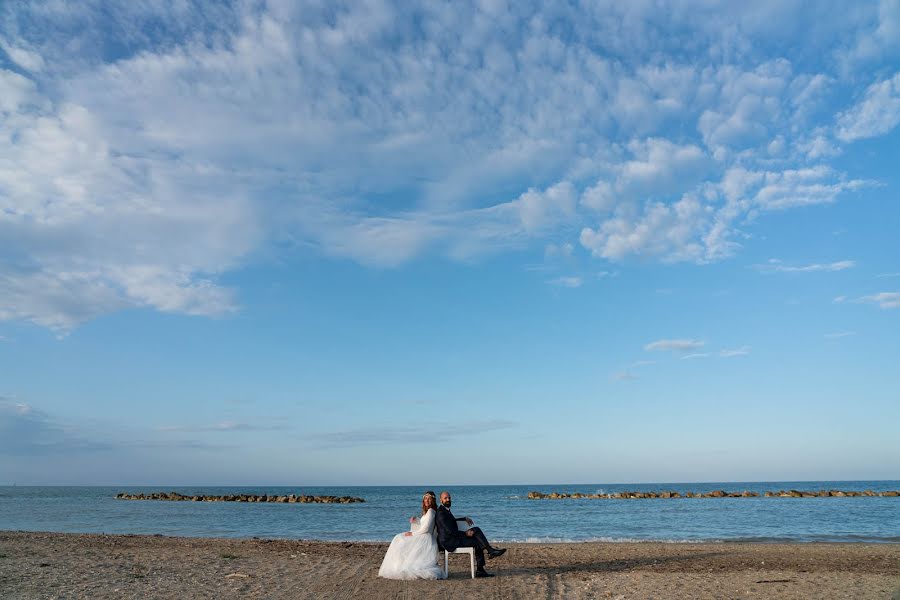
404 243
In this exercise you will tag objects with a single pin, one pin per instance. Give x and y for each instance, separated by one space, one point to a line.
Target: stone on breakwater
175 496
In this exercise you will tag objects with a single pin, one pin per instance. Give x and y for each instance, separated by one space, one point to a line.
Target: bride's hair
426 504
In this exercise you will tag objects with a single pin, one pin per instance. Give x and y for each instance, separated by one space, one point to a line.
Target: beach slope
53 565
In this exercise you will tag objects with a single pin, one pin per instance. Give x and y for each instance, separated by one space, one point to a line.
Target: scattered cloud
838 334
883 299
538 209
653 166
876 114
552 251
223 426
145 160
624 376
425 433
569 282
642 363
877 39
25 430
675 345
777 266
883 275
22 57
732 352
28 431
805 186
696 355
668 231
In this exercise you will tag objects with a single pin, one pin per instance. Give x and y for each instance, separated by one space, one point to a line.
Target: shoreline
519 542
42 565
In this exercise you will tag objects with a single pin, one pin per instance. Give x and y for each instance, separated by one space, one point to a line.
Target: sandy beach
53 565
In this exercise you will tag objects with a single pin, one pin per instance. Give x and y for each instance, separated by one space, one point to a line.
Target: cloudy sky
415 242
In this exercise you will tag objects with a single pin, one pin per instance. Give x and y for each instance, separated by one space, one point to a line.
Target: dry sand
53 565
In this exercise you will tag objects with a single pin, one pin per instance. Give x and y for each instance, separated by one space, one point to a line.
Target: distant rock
629 495
175 496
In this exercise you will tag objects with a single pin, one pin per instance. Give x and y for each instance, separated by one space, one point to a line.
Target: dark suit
451 538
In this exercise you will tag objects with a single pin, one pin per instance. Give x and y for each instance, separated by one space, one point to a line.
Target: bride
413 555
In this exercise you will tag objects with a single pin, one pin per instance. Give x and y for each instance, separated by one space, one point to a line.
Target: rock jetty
713 494
289 499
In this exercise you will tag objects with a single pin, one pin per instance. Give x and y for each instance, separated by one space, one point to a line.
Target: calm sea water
504 512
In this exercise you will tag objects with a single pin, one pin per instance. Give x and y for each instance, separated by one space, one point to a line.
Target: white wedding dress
413 556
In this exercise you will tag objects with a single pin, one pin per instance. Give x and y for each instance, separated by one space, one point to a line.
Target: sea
504 512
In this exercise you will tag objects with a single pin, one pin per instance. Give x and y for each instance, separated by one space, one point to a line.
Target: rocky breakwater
289 499
713 494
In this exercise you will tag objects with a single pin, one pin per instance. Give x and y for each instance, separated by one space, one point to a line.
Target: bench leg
446 564
472 559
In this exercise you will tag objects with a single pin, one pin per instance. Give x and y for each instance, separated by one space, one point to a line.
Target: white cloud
537 209
642 363
777 266
29 432
676 345
96 230
696 355
222 427
655 166
732 352
552 251
747 105
670 231
779 190
802 187
58 301
878 39
838 335
883 299
601 197
26 59
700 227
569 282
876 114
625 377
140 166
817 147
419 433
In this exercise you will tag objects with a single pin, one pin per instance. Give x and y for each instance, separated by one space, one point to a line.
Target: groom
450 537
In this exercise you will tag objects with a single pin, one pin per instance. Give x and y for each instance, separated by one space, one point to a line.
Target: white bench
469 550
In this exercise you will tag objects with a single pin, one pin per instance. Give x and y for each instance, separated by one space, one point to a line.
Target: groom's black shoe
483 573
495 552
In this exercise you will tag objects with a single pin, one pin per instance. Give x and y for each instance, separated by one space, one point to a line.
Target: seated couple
413 555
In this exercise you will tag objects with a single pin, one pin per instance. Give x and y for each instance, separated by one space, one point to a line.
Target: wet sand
53 565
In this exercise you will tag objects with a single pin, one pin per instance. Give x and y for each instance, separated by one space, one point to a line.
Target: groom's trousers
478 541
